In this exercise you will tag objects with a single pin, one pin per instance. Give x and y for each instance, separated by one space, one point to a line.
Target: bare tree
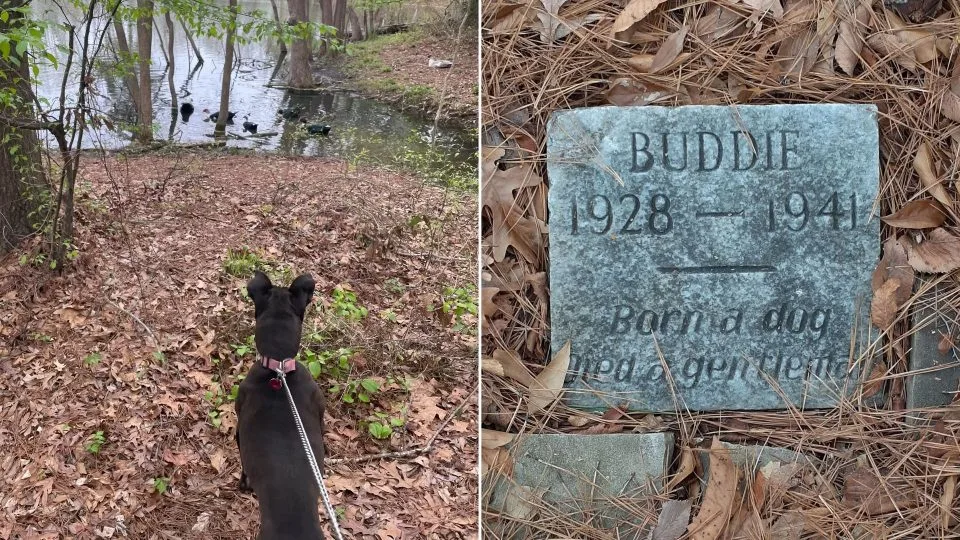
144 50
221 127
276 17
300 74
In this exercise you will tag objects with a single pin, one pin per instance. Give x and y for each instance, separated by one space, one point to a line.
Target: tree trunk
144 50
193 44
276 17
221 127
129 78
171 61
356 29
20 171
300 74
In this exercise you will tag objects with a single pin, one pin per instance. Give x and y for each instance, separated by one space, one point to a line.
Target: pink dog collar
287 365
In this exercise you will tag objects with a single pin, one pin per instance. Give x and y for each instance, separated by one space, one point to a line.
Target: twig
145 327
425 449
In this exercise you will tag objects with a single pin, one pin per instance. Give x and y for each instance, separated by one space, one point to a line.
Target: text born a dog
712 257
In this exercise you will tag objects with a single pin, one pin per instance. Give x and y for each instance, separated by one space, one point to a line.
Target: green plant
456 303
95 443
356 390
381 425
160 484
335 363
394 286
245 348
92 359
345 305
216 397
242 262
160 357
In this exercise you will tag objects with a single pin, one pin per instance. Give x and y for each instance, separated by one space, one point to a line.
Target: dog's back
272 455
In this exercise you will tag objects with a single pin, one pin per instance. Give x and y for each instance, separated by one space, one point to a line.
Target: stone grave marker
937 368
733 246
579 475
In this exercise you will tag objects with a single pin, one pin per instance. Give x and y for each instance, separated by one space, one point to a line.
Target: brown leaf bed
877 471
154 231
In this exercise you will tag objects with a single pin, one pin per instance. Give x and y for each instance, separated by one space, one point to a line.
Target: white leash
311 458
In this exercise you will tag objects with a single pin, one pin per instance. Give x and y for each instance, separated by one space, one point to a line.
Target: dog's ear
259 289
301 292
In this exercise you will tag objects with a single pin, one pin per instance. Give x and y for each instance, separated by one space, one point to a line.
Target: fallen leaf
920 214
950 105
923 164
946 343
511 366
938 253
889 45
789 526
894 265
669 51
864 491
761 7
548 385
946 501
517 503
635 11
883 307
717 505
487 306
490 438
685 468
673 520
496 460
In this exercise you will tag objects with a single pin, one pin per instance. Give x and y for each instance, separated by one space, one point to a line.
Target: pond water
362 130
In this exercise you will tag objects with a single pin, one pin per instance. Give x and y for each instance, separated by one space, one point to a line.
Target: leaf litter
140 341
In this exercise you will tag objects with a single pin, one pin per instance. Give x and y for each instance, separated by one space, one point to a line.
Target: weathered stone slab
938 377
580 474
756 457
745 271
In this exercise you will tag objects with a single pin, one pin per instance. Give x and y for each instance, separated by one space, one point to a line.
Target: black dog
273 460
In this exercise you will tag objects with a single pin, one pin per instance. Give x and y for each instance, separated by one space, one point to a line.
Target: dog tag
276 384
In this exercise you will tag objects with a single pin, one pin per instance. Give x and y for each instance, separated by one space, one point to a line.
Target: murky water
361 129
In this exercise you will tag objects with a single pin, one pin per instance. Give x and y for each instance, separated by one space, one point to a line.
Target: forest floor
395 68
119 372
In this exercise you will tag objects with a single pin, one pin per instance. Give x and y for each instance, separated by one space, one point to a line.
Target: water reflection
359 127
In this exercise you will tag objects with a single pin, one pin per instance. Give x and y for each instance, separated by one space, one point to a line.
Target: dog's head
279 312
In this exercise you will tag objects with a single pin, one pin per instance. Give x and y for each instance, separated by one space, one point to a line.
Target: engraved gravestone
712 257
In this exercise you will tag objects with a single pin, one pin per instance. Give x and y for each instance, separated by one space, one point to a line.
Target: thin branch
413 452
156 343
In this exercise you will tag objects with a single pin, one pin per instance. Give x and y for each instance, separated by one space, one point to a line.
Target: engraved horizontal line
737 213
723 269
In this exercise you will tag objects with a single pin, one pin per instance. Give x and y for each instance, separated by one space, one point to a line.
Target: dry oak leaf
669 51
950 104
673 520
921 214
883 307
548 385
635 11
717 506
688 463
869 494
789 526
497 193
487 306
850 38
507 363
938 253
894 265
923 164
490 438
